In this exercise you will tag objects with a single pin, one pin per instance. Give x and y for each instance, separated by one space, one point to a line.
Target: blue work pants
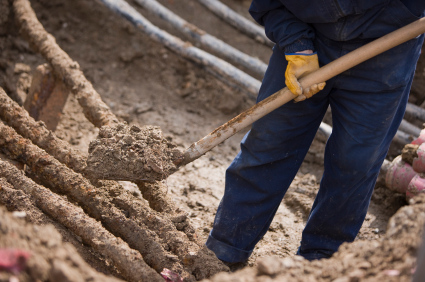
368 104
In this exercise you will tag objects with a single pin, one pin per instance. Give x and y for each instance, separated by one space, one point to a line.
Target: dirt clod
131 153
409 152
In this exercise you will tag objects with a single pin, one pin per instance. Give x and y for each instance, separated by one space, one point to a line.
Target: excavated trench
113 230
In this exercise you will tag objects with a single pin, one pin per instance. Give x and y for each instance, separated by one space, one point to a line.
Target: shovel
157 171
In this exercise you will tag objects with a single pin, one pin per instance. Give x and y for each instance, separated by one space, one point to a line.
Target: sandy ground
146 84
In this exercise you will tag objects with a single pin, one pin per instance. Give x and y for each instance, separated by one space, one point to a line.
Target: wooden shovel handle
283 96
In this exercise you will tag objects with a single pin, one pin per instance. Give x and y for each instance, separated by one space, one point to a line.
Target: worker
367 101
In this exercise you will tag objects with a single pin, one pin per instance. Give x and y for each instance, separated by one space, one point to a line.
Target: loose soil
393 258
146 84
50 259
131 153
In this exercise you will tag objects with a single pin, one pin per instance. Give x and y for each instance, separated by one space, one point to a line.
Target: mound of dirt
131 153
40 254
393 258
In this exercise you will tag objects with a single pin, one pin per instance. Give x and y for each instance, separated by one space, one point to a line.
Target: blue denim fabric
368 104
292 24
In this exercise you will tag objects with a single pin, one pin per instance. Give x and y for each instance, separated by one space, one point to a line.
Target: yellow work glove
299 65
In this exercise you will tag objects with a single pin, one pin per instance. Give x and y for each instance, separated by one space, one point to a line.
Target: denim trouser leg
259 176
353 157
368 104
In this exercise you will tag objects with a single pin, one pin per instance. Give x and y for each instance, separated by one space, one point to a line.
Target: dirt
146 84
392 258
128 262
154 235
18 201
409 153
50 259
131 153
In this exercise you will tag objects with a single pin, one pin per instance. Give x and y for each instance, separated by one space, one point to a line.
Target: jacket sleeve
281 26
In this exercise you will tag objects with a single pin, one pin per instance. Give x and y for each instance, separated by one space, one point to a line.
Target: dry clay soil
146 84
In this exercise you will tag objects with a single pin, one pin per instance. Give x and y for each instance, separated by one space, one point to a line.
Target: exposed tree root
156 193
18 118
17 200
199 260
51 259
93 201
63 66
129 262
96 111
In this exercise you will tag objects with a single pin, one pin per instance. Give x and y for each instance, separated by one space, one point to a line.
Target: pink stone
170 276
420 139
416 186
419 162
399 175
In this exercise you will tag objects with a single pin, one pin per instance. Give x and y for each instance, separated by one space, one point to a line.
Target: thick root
50 259
94 202
129 262
16 117
198 260
63 66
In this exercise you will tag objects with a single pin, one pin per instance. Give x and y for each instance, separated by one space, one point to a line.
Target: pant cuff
226 252
313 255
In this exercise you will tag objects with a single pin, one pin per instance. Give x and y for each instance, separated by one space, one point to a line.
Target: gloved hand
299 65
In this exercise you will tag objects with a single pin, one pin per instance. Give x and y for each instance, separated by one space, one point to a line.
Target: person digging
368 103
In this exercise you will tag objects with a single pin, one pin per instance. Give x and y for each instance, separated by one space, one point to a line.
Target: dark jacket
293 24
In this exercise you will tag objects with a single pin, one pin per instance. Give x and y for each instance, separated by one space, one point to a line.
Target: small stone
364 265
269 266
21 68
356 275
143 108
19 214
135 128
391 272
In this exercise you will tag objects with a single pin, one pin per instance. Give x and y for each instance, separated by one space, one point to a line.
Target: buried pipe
236 20
207 40
402 138
184 49
409 128
415 112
